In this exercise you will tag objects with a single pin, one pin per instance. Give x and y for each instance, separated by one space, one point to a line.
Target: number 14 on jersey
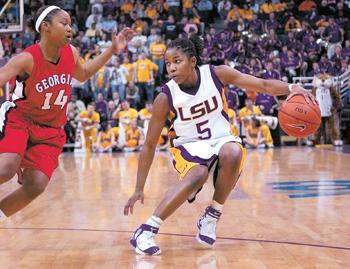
60 100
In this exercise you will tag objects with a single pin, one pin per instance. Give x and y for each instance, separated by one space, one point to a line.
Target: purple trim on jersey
171 140
219 87
195 159
193 91
165 89
225 115
217 82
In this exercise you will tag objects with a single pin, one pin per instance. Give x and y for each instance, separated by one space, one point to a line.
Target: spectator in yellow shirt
187 7
292 25
106 139
246 13
90 119
145 72
157 50
126 114
151 12
128 66
254 138
134 137
127 7
233 122
145 115
249 110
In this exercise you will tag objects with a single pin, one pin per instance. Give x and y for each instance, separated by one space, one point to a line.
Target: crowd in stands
272 39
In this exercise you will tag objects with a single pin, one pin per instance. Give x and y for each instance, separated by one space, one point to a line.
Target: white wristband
290 86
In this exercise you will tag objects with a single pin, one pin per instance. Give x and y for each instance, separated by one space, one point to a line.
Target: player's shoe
143 240
207 226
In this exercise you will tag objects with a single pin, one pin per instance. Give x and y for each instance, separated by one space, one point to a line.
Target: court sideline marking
187 235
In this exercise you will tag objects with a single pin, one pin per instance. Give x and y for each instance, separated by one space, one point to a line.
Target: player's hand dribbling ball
299 118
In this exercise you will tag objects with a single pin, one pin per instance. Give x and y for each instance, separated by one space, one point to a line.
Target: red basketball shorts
39 146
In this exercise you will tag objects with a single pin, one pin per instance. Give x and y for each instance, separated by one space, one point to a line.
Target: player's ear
44 26
193 61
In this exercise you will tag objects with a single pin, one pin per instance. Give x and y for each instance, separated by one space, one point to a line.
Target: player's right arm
160 113
20 64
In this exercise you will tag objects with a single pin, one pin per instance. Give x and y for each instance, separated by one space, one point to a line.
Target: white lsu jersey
201 114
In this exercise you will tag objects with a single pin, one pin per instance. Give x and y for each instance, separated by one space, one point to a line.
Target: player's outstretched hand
297 90
120 40
129 207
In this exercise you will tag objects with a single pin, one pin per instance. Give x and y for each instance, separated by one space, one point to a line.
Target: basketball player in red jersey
31 133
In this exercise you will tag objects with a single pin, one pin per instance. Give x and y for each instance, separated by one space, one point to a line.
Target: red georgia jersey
43 97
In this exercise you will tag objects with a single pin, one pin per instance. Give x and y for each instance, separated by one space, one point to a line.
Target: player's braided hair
192 46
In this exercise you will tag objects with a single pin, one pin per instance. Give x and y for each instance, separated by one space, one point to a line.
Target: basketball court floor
290 209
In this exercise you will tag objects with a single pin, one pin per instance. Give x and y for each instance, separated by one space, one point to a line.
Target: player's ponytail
192 46
198 45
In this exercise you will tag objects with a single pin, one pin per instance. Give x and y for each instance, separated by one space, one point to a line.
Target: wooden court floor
290 209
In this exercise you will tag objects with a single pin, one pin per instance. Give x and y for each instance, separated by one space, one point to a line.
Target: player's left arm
82 72
228 75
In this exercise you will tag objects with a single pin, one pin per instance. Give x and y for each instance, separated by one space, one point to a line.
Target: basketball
298 118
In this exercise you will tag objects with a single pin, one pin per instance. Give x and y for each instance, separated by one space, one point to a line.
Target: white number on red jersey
61 100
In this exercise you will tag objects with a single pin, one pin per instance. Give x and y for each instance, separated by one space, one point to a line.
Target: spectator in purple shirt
101 107
270 72
241 66
232 97
337 57
209 42
284 53
267 103
334 36
345 53
273 43
315 70
290 65
216 56
293 43
255 67
271 23
325 65
224 43
312 49
256 25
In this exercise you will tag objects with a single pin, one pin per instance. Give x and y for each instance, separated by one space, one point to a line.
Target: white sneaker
143 240
207 226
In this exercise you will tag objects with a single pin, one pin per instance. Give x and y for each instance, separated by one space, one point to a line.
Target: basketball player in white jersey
194 101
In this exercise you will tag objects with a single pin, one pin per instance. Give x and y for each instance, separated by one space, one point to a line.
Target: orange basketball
298 118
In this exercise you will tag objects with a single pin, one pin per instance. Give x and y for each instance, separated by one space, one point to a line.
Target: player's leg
13 140
229 166
176 195
34 183
87 140
39 162
9 165
143 238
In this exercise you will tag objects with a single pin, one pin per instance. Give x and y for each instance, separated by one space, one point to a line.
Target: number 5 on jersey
61 100
202 130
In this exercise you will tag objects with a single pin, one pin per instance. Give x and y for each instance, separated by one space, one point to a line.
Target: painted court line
187 235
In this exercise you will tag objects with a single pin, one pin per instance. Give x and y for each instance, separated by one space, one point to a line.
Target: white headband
43 16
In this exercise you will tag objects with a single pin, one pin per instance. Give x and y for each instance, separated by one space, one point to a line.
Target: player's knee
7 171
200 178
230 155
35 187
